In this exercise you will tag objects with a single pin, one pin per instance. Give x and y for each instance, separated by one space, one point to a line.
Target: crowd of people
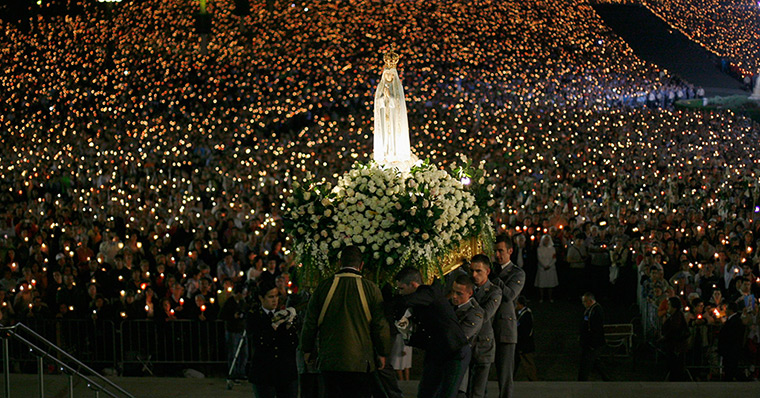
143 164
727 28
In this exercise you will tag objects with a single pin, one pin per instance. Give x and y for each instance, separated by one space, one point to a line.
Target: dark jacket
232 315
592 327
731 337
274 351
675 333
437 330
525 343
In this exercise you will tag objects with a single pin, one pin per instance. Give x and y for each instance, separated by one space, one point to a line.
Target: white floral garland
396 220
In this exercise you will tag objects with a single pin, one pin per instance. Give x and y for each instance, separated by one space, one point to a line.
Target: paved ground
26 386
654 41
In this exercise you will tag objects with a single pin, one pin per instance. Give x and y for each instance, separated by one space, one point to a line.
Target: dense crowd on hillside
144 165
730 29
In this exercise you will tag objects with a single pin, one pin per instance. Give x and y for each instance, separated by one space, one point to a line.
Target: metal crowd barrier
178 341
702 359
104 344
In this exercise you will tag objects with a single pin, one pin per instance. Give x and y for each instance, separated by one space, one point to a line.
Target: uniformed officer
511 280
273 370
469 314
488 296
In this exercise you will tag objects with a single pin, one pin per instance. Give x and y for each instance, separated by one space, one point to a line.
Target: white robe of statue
391 141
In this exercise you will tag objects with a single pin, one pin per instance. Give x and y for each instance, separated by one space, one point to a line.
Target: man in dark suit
526 346
592 338
731 341
488 296
437 331
510 280
273 372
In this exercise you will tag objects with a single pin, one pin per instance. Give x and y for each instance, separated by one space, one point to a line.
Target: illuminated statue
391 141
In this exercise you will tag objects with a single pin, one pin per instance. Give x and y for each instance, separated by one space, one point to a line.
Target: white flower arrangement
396 220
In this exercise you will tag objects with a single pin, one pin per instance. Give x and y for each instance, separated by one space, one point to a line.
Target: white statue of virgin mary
391 141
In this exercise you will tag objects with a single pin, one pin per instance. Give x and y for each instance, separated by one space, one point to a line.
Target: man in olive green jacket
345 318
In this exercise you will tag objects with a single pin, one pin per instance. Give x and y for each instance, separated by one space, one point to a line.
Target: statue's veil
391 138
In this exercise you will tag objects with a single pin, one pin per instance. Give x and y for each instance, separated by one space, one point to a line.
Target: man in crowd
526 346
470 317
437 331
730 342
233 314
592 338
489 298
347 314
510 280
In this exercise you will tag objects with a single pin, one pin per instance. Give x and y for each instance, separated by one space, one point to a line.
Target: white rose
398 206
323 246
430 213
389 260
323 233
358 239
405 234
413 198
490 202
335 244
425 236
350 192
306 195
413 211
301 231
481 180
342 206
328 213
376 255
296 185
425 203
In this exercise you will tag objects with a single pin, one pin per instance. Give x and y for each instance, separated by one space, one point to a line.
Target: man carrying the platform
346 312
437 331
511 280
488 295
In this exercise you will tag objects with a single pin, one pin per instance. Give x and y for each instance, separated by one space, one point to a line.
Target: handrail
13 332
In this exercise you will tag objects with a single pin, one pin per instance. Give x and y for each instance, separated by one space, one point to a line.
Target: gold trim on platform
466 250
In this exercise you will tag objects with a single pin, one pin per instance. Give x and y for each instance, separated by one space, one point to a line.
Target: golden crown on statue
391 59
